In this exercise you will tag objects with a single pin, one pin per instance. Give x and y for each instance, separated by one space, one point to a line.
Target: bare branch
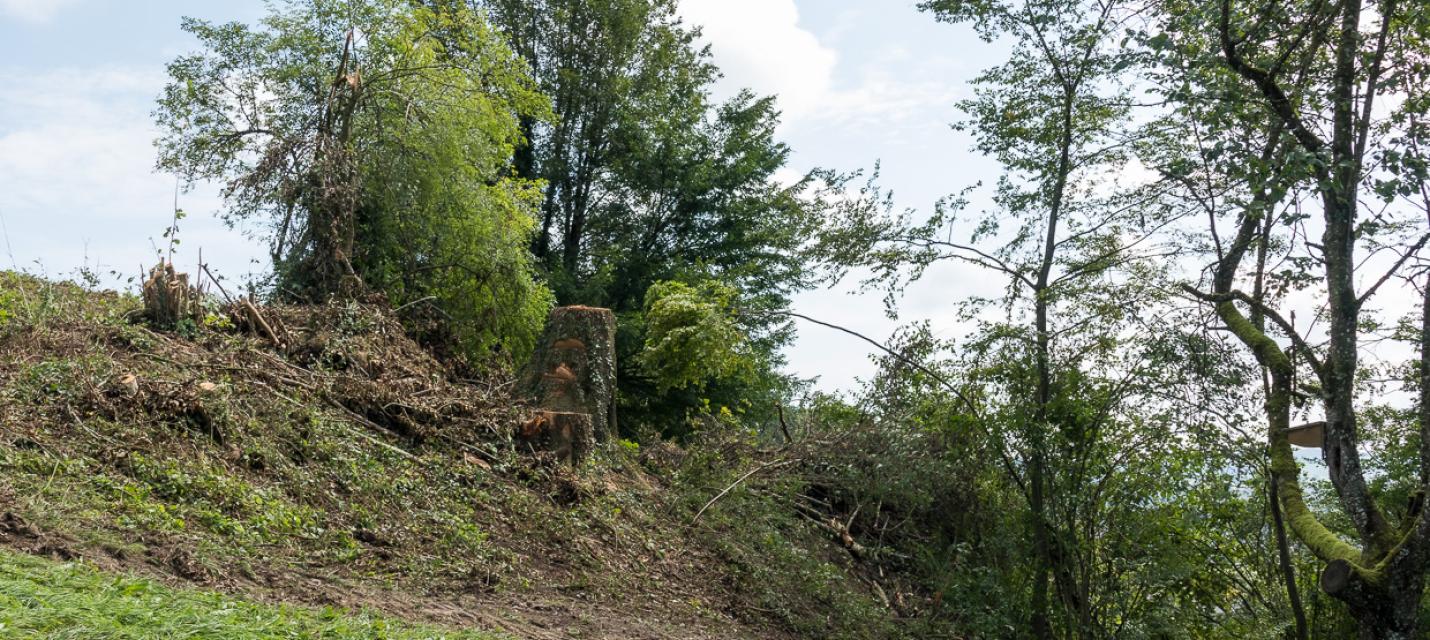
1393 269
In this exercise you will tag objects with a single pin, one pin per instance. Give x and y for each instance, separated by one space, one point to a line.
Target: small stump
169 298
573 369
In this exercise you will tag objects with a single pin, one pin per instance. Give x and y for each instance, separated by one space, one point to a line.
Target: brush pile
209 368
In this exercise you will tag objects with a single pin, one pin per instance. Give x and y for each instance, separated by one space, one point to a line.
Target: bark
574 367
1382 581
1424 407
568 436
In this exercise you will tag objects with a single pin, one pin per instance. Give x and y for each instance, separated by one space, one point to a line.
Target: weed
41 599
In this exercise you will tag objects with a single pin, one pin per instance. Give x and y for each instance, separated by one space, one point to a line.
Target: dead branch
718 496
256 317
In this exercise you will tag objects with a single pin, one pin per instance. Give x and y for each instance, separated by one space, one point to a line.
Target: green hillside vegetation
1098 445
230 466
70 601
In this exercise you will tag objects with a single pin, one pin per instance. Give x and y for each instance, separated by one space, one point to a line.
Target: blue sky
858 81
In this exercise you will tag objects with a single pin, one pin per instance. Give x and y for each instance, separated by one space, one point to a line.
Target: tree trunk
1288 570
1047 566
574 367
567 435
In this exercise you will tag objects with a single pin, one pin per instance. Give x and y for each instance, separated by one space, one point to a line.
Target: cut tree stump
169 298
567 435
574 367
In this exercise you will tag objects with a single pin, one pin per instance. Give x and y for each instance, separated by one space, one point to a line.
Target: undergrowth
70 601
217 458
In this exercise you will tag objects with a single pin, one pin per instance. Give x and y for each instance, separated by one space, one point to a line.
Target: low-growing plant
41 599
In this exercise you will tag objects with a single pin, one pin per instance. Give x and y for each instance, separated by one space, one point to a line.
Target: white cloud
759 44
881 98
77 183
33 11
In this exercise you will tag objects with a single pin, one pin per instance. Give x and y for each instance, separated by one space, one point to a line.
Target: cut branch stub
573 369
567 435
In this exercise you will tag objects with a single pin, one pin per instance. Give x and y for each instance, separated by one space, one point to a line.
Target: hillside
40 599
350 469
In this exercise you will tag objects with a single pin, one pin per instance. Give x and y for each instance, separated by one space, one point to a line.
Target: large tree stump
574 367
567 435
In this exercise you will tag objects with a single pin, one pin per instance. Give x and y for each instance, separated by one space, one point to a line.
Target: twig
414 303
370 424
210 274
489 456
1398 263
767 465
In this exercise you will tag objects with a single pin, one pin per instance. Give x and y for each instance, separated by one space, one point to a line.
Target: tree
373 139
649 180
1315 79
601 62
1054 114
692 335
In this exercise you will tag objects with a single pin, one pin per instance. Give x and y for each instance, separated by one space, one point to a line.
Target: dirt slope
343 467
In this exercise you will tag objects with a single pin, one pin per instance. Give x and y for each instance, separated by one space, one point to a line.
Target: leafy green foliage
691 334
648 180
373 141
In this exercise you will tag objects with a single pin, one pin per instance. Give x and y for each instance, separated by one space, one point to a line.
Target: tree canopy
372 142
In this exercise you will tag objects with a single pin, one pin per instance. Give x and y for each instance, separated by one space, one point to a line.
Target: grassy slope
44 599
240 468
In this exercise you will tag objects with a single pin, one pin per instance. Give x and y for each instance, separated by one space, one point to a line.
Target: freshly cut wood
567 435
573 369
169 298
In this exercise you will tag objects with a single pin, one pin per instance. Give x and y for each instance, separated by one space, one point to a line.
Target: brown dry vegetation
349 467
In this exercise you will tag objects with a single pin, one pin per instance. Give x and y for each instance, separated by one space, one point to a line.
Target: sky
858 82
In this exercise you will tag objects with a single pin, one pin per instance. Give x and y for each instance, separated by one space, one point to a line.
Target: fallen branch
356 417
414 303
751 472
257 317
840 532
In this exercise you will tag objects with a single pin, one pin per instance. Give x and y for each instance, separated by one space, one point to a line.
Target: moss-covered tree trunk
573 369
1381 579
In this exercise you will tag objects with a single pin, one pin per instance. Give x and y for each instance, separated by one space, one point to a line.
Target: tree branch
1280 103
1240 296
1393 269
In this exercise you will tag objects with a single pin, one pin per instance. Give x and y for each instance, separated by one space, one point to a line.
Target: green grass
43 599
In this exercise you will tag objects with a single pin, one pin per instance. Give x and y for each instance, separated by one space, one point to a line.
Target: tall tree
647 179
1076 252
1323 78
374 151
596 60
